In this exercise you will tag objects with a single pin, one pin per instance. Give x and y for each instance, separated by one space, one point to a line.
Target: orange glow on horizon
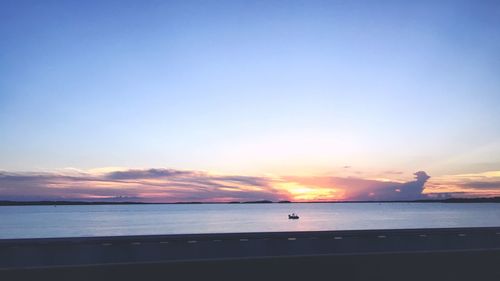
299 192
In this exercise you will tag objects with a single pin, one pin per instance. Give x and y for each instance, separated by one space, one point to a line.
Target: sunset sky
166 101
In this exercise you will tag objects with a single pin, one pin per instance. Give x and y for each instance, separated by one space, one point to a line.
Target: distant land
55 203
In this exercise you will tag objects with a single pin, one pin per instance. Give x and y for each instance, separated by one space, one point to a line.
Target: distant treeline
471 200
447 200
43 203
29 203
55 203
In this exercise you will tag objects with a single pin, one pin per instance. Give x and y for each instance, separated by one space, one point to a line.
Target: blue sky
251 87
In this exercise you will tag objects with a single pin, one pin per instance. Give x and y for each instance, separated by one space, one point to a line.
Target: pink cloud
354 188
151 185
169 185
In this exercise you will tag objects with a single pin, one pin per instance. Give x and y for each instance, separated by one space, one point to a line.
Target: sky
167 101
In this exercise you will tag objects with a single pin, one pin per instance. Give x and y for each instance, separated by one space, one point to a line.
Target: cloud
170 185
411 190
483 184
255 181
391 172
144 174
354 188
152 185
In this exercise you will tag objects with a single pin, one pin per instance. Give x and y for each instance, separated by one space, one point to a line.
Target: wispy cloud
482 184
170 185
161 185
145 174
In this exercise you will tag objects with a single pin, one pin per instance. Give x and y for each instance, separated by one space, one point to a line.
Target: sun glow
309 193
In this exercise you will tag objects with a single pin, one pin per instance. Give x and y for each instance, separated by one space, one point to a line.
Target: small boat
293 217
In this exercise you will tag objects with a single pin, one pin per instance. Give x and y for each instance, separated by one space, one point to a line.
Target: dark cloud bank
361 189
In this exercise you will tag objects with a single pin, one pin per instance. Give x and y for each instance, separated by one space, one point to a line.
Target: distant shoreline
64 203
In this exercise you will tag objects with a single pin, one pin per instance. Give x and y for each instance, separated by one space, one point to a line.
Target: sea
116 220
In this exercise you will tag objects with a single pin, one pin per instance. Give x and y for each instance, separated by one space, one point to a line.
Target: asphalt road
57 252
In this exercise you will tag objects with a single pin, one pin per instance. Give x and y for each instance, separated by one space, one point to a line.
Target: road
53 252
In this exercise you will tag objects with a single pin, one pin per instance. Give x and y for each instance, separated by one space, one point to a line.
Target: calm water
65 221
